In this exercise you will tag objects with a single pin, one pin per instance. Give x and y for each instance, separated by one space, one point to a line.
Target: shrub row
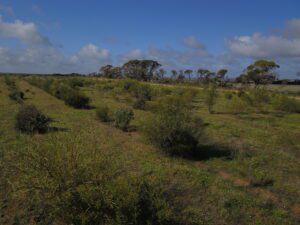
65 90
121 118
14 93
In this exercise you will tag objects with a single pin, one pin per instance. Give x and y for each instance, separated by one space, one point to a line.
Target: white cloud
259 46
51 60
192 42
133 54
26 32
293 28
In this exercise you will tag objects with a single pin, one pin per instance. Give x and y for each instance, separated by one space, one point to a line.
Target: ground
220 188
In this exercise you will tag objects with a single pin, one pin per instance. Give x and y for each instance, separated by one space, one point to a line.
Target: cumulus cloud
51 60
133 54
286 44
192 42
26 32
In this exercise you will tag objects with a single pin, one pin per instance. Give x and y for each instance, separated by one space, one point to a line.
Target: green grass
210 191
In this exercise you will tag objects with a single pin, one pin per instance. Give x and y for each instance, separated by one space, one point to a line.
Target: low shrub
77 100
102 113
139 104
123 118
287 104
17 96
75 83
31 120
238 105
173 129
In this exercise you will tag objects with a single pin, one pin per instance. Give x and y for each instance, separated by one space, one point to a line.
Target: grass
214 190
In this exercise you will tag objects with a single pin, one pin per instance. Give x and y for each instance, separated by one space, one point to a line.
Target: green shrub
75 83
228 95
238 105
31 120
77 100
173 129
102 113
17 96
123 118
139 104
143 91
210 96
287 104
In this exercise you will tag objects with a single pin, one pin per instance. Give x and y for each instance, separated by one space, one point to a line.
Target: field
84 171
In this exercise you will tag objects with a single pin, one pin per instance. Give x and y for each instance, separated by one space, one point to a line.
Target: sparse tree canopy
140 69
174 73
260 72
188 73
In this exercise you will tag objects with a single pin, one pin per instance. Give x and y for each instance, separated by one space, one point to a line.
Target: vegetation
31 120
176 164
123 118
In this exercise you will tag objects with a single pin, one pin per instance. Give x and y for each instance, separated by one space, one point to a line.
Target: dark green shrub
31 120
102 113
143 91
17 96
9 82
173 129
77 100
123 118
287 104
139 104
75 83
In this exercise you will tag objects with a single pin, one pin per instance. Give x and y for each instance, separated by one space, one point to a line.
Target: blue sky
80 36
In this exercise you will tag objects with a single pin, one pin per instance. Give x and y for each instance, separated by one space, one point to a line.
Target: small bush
173 129
17 96
139 104
284 103
31 120
123 118
102 113
77 100
75 83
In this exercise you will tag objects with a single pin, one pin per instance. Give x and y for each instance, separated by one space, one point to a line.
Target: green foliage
238 105
75 83
210 96
31 120
74 184
139 103
17 96
173 129
228 95
102 113
77 100
122 118
287 104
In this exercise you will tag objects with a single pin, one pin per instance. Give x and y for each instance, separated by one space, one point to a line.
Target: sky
81 36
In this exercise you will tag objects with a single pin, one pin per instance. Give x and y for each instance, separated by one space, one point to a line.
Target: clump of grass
287 104
77 100
210 96
139 104
30 120
102 113
122 118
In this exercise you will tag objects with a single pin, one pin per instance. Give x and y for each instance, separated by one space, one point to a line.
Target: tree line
260 72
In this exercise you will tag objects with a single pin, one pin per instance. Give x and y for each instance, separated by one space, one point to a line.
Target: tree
204 75
260 72
174 73
181 75
220 77
140 69
161 73
106 71
188 73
